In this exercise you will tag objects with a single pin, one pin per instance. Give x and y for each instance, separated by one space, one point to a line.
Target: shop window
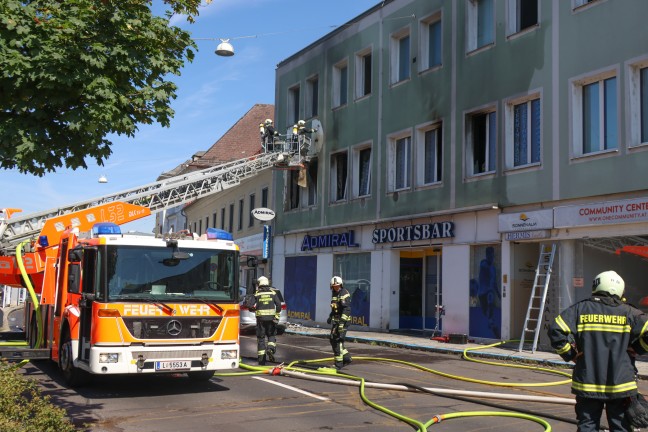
485 312
355 271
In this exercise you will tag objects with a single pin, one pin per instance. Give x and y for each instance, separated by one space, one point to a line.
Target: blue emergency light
218 234
105 228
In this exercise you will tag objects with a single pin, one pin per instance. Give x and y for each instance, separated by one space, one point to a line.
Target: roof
240 141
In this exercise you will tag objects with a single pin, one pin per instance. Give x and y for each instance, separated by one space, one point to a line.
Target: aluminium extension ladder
538 298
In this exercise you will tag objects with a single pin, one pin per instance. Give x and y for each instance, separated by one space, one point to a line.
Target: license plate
172 365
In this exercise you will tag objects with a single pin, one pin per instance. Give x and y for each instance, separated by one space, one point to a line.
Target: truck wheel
73 376
200 376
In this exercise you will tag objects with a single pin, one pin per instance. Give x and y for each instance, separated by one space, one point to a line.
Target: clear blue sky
214 92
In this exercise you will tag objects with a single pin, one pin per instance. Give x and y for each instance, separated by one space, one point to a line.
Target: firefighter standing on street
603 328
268 308
339 318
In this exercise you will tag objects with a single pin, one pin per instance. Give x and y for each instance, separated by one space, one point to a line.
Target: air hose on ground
303 369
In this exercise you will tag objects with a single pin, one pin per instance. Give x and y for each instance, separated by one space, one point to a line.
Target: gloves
329 320
275 320
637 411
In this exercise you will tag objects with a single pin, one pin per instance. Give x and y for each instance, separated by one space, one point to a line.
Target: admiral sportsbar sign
413 232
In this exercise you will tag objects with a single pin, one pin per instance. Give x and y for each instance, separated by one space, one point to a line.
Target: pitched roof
240 141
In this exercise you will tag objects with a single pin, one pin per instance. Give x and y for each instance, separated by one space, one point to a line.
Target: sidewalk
507 351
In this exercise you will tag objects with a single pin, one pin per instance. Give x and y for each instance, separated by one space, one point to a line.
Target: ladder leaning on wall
538 298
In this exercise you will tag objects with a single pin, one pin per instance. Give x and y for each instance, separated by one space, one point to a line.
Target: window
481 23
293 190
223 218
312 96
302 187
363 73
400 160
199 227
523 126
579 3
231 218
362 168
481 139
595 127
429 159
400 56
431 43
252 207
338 176
522 14
638 98
214 220
240 215
340 84
311 173
293 105
264 197
206 223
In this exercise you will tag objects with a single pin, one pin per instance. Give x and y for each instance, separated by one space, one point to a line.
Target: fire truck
103 302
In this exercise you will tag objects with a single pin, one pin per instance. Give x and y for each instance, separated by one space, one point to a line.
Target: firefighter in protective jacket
596 335
339 318
268 308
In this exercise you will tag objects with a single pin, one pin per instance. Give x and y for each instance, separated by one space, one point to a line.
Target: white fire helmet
336 280
609 282
301 123
268 121
263 281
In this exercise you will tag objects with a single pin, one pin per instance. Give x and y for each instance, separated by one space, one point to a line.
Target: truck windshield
148 273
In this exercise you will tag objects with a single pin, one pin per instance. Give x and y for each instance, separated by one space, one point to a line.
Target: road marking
322 398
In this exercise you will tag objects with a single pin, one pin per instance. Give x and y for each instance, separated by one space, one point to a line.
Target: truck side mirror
75 255
74 278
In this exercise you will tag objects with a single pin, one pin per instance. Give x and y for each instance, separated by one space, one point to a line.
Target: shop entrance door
420 291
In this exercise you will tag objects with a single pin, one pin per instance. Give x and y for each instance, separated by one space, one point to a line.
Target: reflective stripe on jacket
341 305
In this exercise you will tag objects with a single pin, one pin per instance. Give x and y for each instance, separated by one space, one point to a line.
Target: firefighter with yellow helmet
268 308
268 134
597 334
339 318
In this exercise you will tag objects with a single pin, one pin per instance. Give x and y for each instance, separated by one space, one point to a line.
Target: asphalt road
287 404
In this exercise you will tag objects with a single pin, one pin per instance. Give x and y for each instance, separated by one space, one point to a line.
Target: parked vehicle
248 318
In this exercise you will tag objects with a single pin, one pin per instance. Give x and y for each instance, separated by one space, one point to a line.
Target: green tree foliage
74 71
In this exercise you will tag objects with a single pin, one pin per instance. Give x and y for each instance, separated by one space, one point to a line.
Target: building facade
457 138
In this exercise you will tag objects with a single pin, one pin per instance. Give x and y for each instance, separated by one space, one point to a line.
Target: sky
213 93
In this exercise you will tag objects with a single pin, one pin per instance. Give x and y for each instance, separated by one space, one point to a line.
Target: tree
74 71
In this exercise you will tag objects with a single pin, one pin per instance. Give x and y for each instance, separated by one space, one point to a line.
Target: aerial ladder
167 193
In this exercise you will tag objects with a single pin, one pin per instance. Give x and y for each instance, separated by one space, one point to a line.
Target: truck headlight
229 354
108 357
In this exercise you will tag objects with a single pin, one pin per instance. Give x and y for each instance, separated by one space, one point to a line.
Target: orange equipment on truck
103 302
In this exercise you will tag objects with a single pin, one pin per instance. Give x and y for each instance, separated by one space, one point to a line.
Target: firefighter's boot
262 360
347 360
270 355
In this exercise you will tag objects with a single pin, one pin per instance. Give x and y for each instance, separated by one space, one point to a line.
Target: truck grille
172 327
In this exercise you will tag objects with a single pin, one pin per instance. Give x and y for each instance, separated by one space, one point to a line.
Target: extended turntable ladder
157 196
